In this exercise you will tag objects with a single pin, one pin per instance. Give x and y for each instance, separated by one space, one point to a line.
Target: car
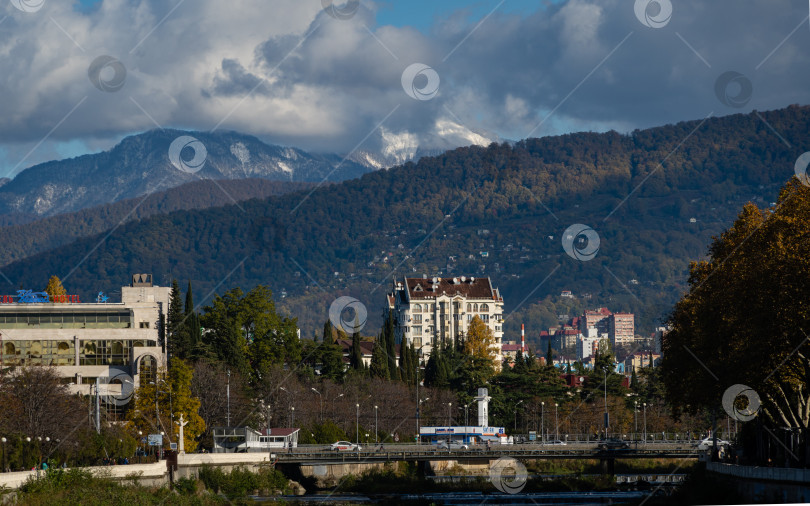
707 443
344 446
444 445
556 442
613 444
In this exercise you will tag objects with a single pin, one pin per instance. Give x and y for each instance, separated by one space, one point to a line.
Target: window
469 318
475 307
417 331
144 325
485 318
417 318
469 307
484 308
417 308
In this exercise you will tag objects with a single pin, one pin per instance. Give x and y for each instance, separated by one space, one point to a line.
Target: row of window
471 307
91 352
106 320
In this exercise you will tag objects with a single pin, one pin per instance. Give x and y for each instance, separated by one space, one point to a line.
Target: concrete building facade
432 311
113 344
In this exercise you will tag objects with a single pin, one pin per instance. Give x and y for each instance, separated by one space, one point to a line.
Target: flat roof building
115 343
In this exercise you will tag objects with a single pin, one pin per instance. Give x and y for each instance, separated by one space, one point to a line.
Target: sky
384 75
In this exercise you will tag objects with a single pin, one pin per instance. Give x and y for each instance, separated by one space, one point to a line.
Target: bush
242 482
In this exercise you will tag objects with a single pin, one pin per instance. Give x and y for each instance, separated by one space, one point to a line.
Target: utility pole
228 394
607 416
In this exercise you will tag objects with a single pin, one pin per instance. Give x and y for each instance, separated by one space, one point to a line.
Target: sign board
173 446
155 439
32 297
532 435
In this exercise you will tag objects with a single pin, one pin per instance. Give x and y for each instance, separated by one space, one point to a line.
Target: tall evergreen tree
391 346
356 354
379 362
404 363
549 356
175 322
193 331
330 355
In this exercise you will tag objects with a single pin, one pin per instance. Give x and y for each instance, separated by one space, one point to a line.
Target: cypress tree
330 355
356 354
549 356
379 362
391 346
175 322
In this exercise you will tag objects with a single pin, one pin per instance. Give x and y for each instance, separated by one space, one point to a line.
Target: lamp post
607 416
376 437
449 415
321 397
635 418
27 450
228 395
357 423
466 418
516 408
292 416
542 421
556 421
4 440
645 421
418 354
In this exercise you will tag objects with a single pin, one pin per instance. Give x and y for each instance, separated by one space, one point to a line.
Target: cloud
289 73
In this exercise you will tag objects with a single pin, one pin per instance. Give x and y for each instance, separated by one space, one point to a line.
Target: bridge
421 453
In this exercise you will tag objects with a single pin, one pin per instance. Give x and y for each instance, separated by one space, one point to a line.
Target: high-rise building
621 329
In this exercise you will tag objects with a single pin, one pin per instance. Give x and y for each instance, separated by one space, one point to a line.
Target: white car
342 446
707 443
444 445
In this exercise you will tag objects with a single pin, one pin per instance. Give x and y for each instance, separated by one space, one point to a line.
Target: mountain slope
498 211
140 164
20 241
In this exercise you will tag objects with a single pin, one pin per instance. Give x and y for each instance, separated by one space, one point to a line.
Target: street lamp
466 419
516 407
645 423
376 437
4 440
607 416
321 397
357 423
449 415
542 421
556 421
635 418
228 395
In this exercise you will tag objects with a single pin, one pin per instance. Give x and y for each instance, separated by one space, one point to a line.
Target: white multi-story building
432 311
116 343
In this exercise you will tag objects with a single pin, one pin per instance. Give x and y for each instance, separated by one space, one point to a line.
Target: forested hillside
498 211
21 241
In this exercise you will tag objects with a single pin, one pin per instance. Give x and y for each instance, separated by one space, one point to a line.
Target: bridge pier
608 466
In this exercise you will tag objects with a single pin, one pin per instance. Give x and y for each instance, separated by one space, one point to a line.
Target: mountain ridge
655 197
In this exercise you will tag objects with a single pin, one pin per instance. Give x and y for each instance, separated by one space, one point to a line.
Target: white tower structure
483 405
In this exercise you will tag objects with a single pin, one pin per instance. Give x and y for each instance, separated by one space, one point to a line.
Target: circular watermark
109 388
107 73
346 11
28 5
741 402
653 13
428 85
349 314
580 242
733 89
268 234
508 482
190 165
800 168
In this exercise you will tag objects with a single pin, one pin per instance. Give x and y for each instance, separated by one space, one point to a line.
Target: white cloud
324 84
